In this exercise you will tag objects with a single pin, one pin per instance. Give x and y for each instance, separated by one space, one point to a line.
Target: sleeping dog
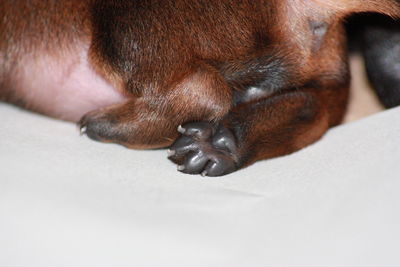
222 83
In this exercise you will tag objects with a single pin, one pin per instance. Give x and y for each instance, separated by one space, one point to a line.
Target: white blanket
68 201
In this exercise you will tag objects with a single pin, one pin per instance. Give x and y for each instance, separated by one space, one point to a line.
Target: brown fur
181 61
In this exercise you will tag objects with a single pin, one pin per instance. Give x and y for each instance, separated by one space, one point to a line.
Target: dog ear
330 11
344 8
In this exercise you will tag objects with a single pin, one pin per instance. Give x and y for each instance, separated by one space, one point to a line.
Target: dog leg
150 121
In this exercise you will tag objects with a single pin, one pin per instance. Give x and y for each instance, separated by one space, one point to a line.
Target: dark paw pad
204 149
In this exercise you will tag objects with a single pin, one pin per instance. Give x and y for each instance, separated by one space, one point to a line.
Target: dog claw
171 152
181 168
204 173
82 130
181 129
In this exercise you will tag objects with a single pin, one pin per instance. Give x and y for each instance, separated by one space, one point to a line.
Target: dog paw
99 126
205 149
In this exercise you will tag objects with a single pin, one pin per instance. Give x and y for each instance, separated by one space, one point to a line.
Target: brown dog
248 80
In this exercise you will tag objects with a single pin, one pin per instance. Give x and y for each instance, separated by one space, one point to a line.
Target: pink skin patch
64 87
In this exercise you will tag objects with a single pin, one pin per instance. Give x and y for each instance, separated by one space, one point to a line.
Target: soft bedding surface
68 201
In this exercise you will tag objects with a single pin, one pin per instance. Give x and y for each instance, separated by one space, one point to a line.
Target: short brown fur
187 61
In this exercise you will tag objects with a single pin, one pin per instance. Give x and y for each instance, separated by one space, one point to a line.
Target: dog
222 83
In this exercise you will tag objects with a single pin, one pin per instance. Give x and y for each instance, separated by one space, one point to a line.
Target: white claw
83 130
181 167
181 129
171 152
204 173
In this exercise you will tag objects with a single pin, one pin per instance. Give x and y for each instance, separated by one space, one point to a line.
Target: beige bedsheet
69 201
